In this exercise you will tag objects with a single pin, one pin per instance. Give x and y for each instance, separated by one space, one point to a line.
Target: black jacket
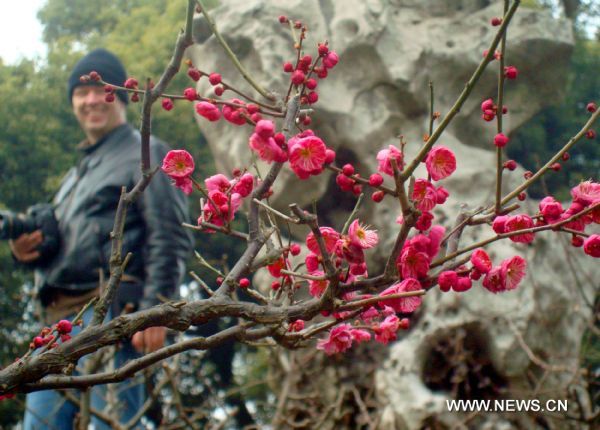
85 207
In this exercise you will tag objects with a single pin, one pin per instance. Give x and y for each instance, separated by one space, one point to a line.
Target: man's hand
150 339
24 247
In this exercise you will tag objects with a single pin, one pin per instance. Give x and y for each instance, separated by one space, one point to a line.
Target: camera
38 217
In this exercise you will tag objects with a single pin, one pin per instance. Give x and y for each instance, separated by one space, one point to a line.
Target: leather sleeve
167 246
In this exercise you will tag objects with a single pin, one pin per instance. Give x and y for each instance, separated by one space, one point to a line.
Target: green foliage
548 131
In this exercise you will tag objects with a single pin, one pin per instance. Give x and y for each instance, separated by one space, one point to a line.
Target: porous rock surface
389 52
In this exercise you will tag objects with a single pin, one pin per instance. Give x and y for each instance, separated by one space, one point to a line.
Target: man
85 208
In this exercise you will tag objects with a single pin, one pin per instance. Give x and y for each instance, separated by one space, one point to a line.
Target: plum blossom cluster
62 329
179 165
418 259
307 154
225 197
585 197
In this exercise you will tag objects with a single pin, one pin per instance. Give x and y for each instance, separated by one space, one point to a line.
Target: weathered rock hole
459 363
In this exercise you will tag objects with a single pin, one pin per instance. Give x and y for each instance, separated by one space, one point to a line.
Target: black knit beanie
106 64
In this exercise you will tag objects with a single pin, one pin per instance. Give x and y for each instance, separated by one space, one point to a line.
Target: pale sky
20 31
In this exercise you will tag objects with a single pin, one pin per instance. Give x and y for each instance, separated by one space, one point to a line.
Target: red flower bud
344 182
577 241
219 90
377 196
556 167
109 88
487 104
312 97
190 94
95 76
167 104
135 98
323 49
528 174
288 67
279 139
500 140
329 156
275 285
194 73
522 196
488 115
64 326
252 108
511 72
109 98
298 77
306 121
591 107
510 165
244 283
38 341
565 156
219 280
348 169
375 180
131 83
295 249
496 21
590 134
283 19
214 78
311 83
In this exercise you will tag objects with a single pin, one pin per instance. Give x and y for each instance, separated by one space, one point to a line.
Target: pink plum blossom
307 156
586 193
339 340
414 264
184 184
244 185
363 237
495 280
385 155
405 304
267 149
386 330
330 236
519 222
178 163
513 271
440 163
218 182
424 195
481 260
591 246
360 335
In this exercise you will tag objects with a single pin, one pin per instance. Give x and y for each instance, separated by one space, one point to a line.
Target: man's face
95 115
